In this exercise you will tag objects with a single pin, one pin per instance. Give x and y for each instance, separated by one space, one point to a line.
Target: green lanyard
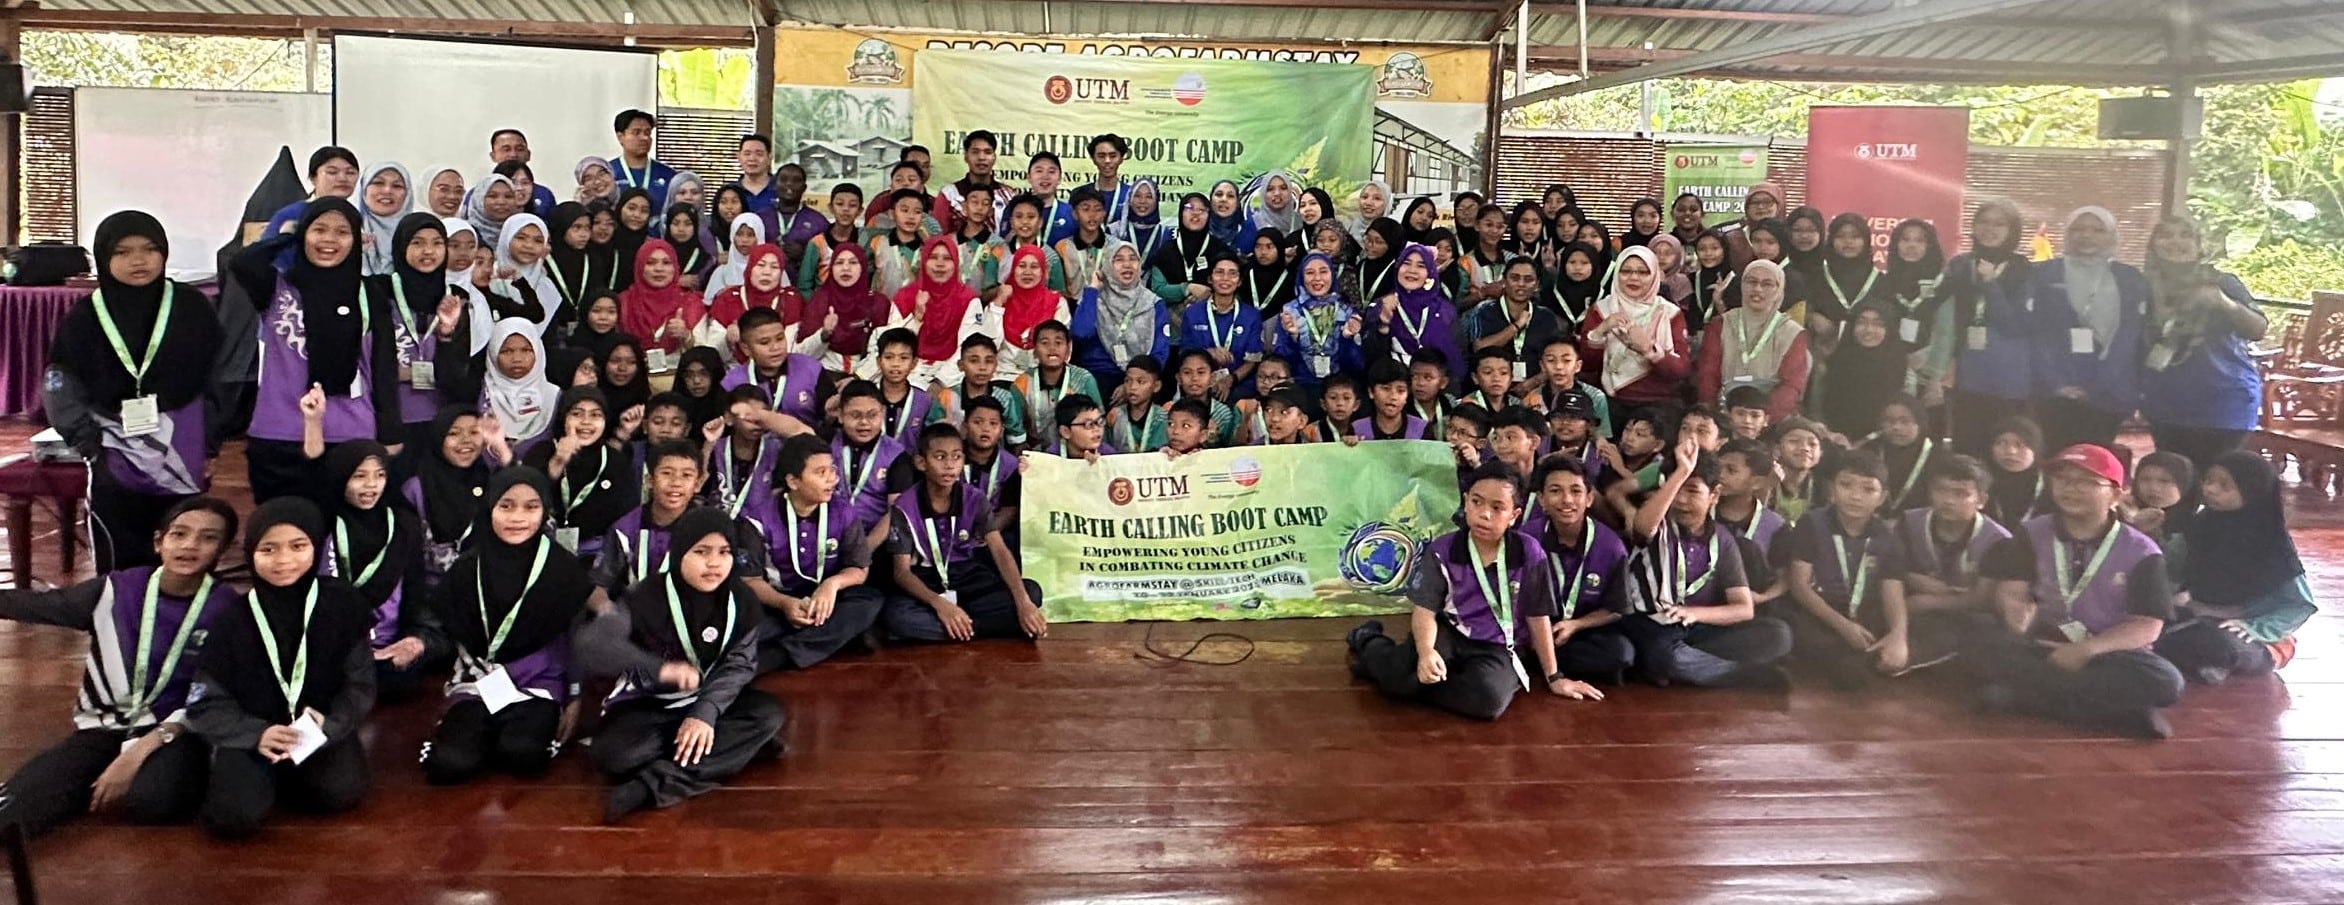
1920 464
480 596
821 536
992 476
935 551
342 547
1694 587
1571 580
856 476
1254 287
675 611
137 368
405 317
1145 426
2070 590
1837 293
143 687
643 550
740 497
1742 347
571 501
1863 573
555 268
1500 599
289 684
1213 326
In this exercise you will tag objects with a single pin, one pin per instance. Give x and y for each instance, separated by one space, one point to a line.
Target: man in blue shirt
755 156
634 167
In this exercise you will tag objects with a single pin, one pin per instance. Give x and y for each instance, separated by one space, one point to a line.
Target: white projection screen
190 158
429 103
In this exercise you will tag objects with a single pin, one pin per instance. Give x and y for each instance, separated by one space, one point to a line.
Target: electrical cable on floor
1152 655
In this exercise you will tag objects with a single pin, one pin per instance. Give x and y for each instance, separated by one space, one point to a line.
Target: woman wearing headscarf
1318 333
1574 287
1647 220
446 489
1916 267
443 195
575 265
1120 319
765 284
521 279
595 182
2244 586
463 252
1228 222
1334 242
626 381
1987 313
1635 339
319 332
1764 202
384 197
509 604
1315 205
2200 389
1266 277
128 371
667 317
1805 254
681 228
415 292
1278 205
1413 316
1675 284
683 646
2087 334
1865 374
1418 220
377 548
687 189
1379 259
937 306
699 381
591 466
1373 200
516 397
490 204
1849 278
747 231
1028 304
1142 223
1688 219
1185 259
636 215
1526 235
844 312
1756 345
285 681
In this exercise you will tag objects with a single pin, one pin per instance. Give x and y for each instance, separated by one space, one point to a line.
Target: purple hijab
1425 318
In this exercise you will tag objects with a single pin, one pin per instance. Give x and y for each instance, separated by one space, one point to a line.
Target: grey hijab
1127 310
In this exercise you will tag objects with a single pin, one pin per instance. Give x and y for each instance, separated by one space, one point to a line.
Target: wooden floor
1073 771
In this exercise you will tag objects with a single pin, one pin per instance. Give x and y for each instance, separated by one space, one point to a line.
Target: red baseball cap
2094 460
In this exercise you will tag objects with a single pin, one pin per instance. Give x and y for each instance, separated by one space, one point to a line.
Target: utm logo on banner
1890 164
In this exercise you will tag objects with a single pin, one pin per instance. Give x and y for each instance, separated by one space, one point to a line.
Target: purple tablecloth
29 316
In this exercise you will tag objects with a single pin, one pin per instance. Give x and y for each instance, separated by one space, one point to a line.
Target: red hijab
1026 308
729 305
644 309
860 310
948 301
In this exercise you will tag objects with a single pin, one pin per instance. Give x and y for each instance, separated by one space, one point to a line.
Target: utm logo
1889 151
1120 491
1059 89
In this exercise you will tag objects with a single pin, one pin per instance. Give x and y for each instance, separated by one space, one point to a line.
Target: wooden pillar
12 135
761 84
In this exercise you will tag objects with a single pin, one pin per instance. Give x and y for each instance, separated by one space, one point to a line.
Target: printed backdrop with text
1249 533
1890 164
1720 175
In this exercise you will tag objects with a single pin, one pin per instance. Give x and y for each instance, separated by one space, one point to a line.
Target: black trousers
54 786
2200 445
2200 644
1709 656
1481 680
245 787
1597 654
2111 690
122 524
1974 416
2067 422
983 595
470 740
783 644
637 743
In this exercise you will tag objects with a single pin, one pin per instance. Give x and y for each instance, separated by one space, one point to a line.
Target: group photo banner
1190 122
1252 533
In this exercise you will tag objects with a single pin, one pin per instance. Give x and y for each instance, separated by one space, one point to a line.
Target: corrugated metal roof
649 12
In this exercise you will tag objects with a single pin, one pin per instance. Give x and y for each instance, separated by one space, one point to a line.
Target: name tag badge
1908 330
951 597
2080 341
1403 356
2074 631
421 375
567 537
1322 365
1977 339
657 360
1122 353
1521 372
308 736
141 415
497 690
2160 357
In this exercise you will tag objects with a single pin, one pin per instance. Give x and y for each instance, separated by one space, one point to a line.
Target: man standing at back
510 144
978 149
634 166
795 224
756 159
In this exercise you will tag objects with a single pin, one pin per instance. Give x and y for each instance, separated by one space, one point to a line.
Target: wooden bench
2303 396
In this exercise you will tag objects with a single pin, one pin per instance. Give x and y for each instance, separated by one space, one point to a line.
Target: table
24 479
29 316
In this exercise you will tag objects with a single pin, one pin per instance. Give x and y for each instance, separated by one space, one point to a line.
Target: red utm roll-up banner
1890 164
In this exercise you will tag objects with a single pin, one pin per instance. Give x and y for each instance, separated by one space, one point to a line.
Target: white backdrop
190 158
429 104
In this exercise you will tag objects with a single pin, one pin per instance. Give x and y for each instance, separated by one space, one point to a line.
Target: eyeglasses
1089 424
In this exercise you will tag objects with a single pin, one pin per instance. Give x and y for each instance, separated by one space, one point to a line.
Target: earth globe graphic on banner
1377 558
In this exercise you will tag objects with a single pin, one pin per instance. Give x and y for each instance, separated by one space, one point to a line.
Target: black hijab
600 480
2246 555
1634 239
1847 274
82 351
451 494
1572 298
1176 260
333 314
1862 380
2018 495
424 288
1380 275
720 234
1266 286
1412 234
386 530
236 657
705 612
708 406
500 572
1914 280
1300 239
1707 278
690 254
569 266
624 241
628 395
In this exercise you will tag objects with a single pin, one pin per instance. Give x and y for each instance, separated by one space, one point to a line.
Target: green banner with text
1721 175
1190 122
1251 533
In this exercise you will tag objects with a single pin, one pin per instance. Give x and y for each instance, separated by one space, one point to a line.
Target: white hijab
524 406
381 229
1622 312
2091 280
735 269
549 296
460 282
425 192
